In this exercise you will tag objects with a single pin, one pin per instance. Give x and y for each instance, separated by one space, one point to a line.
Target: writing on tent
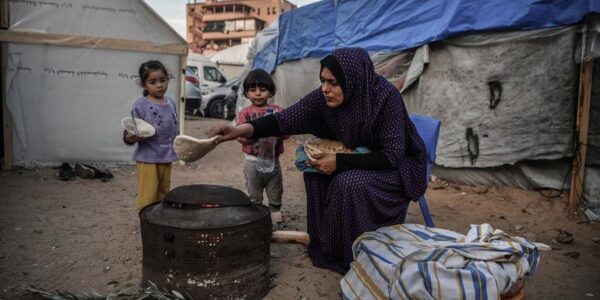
43 4
113 10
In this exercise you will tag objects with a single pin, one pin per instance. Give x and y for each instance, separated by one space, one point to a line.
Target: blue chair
429 130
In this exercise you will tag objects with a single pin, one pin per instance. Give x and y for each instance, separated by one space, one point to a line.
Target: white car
213 102
193 94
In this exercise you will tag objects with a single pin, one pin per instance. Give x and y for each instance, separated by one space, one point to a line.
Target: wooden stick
4 17
6 117
181 104
582 125
290 236
89 42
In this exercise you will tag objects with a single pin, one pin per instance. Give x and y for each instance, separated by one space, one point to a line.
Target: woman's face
331 89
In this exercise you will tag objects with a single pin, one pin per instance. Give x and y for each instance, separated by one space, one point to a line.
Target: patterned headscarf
365 95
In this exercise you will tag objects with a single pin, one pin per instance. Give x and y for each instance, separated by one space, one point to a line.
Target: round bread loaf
323 146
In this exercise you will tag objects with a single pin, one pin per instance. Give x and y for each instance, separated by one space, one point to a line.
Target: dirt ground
84 234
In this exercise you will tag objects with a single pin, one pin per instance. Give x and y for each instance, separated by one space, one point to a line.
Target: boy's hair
260 78
148 67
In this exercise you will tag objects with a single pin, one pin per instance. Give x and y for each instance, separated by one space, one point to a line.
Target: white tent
232 60
234 55
69 75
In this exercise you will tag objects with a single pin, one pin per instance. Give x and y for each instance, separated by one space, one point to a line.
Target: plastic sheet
390 25
500 103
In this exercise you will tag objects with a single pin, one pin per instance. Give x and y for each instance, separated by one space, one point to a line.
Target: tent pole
582 126
4 21
6 119
182 65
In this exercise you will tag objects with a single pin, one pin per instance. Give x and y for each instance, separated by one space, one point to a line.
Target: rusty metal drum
207 241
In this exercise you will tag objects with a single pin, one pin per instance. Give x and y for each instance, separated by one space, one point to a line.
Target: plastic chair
429 131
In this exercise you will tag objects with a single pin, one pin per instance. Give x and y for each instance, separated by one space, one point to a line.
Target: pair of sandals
67 173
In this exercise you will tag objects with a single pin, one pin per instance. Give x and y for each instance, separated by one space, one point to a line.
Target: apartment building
214 25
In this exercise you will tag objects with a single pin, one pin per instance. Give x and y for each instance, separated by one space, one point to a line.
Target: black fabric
265 127
269 126
369 161
336 69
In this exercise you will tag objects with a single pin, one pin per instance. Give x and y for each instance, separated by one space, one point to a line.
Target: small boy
259 88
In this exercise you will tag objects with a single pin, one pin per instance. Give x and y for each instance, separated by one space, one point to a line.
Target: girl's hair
260 78
149 67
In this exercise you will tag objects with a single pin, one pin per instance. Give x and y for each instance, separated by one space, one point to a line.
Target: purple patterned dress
343 206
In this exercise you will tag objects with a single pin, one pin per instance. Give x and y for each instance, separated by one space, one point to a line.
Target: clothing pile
66 172
412 261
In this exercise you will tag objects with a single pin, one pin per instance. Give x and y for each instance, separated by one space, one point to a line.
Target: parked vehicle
230 103
208 72
213 102
193 94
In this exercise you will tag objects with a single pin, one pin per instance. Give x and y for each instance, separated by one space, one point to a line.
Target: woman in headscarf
355 192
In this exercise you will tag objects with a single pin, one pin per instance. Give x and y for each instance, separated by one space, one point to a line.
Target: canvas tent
501 76
232 60
69 75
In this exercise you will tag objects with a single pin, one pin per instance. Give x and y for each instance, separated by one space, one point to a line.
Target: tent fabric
66 102
266 39
117 19
235 55
389 25
510 101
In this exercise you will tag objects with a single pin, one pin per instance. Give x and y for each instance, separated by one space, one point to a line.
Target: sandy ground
84 234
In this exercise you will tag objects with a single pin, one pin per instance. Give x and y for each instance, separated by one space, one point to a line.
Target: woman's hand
229 132
325 163
131 138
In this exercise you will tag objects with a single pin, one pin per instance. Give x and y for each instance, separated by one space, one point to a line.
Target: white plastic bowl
144 128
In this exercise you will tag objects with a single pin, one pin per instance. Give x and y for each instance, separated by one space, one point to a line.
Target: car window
231 82
191 70
212 74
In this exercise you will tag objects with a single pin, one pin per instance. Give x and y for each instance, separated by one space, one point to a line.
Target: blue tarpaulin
392 25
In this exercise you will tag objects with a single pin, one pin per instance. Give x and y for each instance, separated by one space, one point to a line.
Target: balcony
195 14
230 35
225 16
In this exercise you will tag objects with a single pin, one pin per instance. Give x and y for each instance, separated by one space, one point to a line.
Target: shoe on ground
65 172
84 171
103 175
277 220
278 226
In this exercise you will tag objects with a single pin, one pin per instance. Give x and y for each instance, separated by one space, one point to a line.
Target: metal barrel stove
207 241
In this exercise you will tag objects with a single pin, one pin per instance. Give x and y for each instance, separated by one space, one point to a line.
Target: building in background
215 25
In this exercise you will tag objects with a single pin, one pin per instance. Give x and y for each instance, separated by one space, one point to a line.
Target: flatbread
322 146
190 149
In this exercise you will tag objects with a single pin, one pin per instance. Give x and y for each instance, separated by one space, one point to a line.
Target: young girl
155 154
259 87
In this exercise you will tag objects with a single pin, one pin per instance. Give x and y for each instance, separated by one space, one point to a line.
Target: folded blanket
410 261
302 159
